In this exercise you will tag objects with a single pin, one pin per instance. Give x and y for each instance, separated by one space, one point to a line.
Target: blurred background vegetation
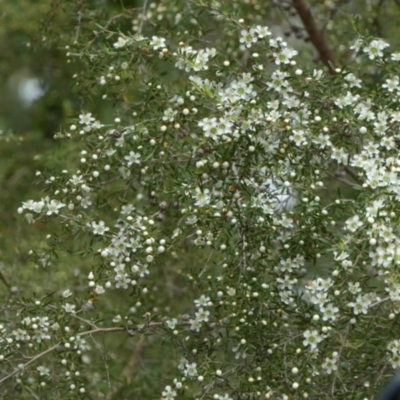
38 99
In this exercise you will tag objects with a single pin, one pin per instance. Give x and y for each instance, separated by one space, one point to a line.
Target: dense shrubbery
230 232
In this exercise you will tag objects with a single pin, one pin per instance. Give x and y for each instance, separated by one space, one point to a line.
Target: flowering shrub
239 207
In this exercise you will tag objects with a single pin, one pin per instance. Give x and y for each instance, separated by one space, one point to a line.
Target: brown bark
315 34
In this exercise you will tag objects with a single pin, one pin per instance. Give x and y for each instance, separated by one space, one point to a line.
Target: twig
206 264
78 28
91 332
289 340
50 350
381 372
352 173
379 302
338 178
315 34
32 393
144 9
338 359
4 280
130 368
85 321
94 326
103 330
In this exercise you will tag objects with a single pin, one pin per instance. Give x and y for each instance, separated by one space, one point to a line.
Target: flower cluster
262 193
44 206
202 314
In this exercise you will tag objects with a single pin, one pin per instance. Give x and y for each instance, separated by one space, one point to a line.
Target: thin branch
91 332
90 323
206 264
338 358
316 36
384 300
49 350
78 27
130 368
103 330
4 280
144 9
94 326
338 178
352 173
32 393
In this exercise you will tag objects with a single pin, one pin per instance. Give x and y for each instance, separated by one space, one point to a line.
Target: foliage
225 226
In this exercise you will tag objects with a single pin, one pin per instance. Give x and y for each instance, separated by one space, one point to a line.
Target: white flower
43 370
298 137
53 207
202 315
127 209
201 60
352 224
374 49
330 364
323 141
360 306
168 393
69 308
330 312
190 369
395 361
86 119
55 326
35 206
394 346
100 228
278 81
353 81
21 334
202 197
132 158
356 45
125 172
195 325
121 42
391 84
395 56
122 281
99 289
203 301
117 319
284 56
66 293
97 125
317 74
312 338
262 31
225 397
76 180
157 43
354 287
248 37
169 114
171 323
